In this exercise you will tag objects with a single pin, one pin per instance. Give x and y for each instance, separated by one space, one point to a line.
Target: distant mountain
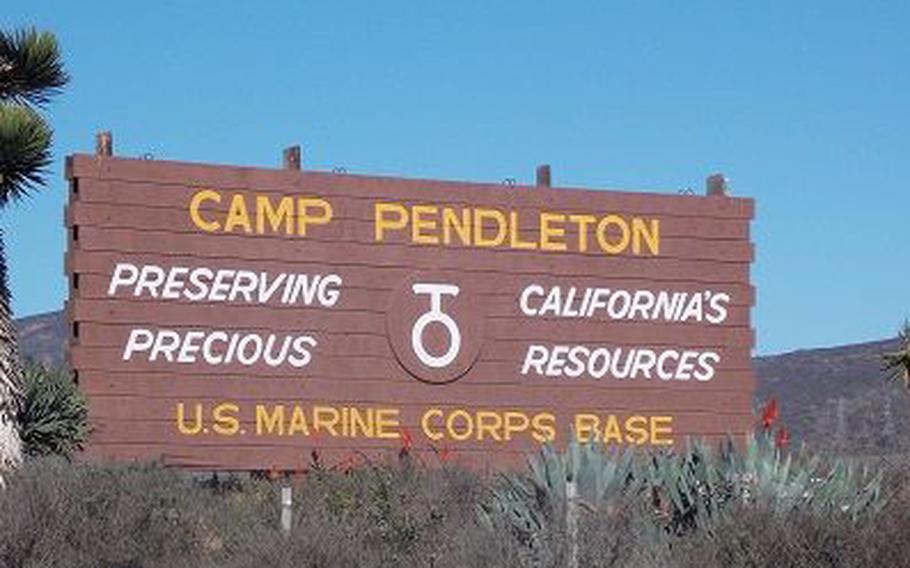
838 397
43 337
834 398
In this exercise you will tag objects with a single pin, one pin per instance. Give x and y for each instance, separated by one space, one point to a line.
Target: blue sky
805 106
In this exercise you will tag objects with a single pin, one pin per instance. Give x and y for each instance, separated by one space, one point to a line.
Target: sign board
240 318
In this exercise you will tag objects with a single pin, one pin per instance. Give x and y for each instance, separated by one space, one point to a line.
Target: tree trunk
10 377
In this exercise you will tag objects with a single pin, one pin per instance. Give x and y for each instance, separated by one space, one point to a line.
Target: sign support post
287 503
572 521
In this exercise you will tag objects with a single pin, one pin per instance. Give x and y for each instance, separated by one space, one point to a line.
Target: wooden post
572 521
104 143
287 502
291 158
543 175
717 184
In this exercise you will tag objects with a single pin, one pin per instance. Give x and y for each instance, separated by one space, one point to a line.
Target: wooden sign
239 318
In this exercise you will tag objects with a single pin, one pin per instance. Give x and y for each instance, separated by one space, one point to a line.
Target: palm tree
898 362
31 73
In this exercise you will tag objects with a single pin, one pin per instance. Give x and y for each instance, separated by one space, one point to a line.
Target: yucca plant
53 416
31 74
897 363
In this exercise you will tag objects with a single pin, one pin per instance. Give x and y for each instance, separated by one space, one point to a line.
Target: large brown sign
239 318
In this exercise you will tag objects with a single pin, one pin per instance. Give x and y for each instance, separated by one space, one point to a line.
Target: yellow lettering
450 425
305 218
181 420
636 430
426 426
325 418
587 428
198 198
365 425
548 232
265 212
387 423
583 221
237 215
618 246
612 431
225 422
269 424
515 422
650 234
515 234
544 427
381 222
481 215
461 226
489 423
420 223
298 422
661 425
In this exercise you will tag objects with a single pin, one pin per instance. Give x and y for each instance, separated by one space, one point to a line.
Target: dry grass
60 514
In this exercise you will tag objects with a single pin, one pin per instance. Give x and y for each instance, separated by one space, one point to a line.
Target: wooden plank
299 458
268 180
503 299
733 383
132 408
315 320
115 204
687 264
251 247
379 277
486 370
468 431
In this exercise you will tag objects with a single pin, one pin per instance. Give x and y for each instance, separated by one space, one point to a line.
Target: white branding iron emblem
436 315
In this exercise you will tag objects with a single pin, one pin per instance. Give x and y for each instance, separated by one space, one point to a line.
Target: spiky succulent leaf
25 143
54 416
31 67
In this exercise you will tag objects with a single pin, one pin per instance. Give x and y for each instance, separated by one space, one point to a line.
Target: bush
57 513
53 416
759 537
385 514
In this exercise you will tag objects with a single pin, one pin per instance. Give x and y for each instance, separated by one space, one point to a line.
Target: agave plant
688 490
772 478
534 503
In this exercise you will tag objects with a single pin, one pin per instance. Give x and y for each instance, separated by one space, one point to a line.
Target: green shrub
678 493
53 416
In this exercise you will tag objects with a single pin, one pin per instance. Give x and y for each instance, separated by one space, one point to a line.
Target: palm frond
25 142
31 67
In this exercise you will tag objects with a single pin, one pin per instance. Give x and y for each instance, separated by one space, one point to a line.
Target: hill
43 337
835 398
838 397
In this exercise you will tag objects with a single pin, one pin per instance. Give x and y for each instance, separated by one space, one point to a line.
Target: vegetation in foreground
697 508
